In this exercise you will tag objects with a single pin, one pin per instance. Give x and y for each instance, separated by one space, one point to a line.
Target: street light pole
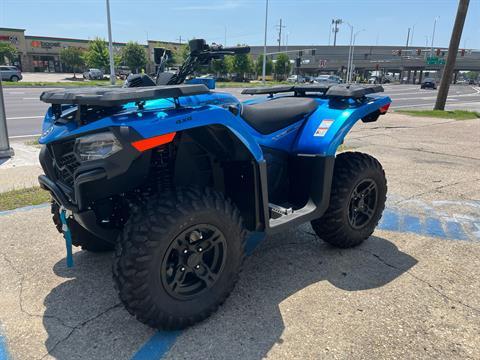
433 34
110 45
264 67
349 52
5 150
353 51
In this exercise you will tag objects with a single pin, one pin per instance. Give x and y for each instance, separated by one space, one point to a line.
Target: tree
97 55
7 51
471 75
282 66
242 64
220 67
259 66
134 56
73 58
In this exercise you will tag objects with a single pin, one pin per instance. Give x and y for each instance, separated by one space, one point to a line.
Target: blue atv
183 182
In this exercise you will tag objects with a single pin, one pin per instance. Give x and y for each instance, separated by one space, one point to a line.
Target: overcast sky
307 22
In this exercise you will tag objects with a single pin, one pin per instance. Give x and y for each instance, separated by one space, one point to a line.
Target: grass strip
443 114
14 199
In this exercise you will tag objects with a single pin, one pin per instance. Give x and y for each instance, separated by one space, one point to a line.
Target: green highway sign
433 60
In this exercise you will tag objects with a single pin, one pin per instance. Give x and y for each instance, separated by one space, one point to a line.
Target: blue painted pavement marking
411 224
157 346
433 227
389 221
455 230
3 349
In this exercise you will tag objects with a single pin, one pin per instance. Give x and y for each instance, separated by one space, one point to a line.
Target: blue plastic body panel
161 117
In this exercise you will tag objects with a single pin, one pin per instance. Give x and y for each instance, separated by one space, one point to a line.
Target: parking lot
410 291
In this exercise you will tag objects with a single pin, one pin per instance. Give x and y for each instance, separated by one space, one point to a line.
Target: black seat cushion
273 115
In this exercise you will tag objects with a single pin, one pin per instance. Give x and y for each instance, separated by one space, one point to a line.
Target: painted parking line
157 346
4 355
439 227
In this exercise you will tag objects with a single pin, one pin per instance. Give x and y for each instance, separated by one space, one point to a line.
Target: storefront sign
11 38
44 44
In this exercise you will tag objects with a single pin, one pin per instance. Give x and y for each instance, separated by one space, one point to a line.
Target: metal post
349 53
353 51
335 30
5 150
452 55
264 67
110 45
433 35
408 38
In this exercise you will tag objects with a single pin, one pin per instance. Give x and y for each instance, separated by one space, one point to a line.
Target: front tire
357 200
14 78
81 237
179 257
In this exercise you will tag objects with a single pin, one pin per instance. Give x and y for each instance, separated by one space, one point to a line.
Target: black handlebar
238 50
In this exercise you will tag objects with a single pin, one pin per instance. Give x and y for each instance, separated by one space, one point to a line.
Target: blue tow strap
67 235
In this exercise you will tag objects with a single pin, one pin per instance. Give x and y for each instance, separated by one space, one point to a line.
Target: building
42 53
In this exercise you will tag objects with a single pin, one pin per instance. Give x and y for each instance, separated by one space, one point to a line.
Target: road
25 111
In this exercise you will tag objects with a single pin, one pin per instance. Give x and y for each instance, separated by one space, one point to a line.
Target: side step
277 211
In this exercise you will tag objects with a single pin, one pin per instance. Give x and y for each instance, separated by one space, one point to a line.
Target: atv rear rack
118 96
330 90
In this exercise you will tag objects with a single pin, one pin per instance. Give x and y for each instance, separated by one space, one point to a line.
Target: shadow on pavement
250 322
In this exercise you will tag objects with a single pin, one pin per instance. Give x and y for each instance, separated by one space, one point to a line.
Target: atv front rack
108 97
330 90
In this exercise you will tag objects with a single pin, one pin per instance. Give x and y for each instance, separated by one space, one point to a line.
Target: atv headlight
97 146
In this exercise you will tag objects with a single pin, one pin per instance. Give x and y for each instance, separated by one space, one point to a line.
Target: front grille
65 162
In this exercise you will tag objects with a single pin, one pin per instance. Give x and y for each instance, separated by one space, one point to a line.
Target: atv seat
273 115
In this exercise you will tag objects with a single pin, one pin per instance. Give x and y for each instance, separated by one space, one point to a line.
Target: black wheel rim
194 261
363 203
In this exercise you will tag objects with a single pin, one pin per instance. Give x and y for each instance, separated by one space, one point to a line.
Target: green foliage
282 66
7 51
259 66
472 75
72 57
220 66
242 64
442 114
97 55
134 56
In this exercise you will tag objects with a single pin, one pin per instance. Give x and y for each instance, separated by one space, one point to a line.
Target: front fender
327 127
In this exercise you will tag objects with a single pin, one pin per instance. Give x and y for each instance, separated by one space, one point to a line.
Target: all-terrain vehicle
181 181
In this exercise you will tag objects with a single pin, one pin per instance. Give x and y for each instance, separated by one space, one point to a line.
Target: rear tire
179 257
357 200
14 78
80 236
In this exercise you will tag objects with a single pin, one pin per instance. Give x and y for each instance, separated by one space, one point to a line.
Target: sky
307 22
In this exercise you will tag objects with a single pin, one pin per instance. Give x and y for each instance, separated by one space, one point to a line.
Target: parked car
380 80
428 83
296 79
10 73
93 74
471 82
327 79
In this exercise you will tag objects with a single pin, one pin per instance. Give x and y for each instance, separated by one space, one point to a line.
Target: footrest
277 211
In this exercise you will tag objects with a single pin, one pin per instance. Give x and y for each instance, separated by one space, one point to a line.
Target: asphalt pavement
411 291
25 111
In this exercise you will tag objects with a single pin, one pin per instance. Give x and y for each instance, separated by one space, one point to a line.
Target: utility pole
336 22
452 55
179 39
110 46
5 150
349 53
408 38
264 67
280 27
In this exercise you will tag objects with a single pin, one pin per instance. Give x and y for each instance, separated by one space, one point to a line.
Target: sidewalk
22 170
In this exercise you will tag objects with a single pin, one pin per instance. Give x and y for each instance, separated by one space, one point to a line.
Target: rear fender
327 127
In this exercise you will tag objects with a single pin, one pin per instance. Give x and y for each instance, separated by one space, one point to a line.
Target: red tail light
150 143
384 109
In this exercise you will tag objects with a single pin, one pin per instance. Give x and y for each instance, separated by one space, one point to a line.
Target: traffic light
419 51
313 52
438 52
462 52
298 62
400 52
377 66
300 53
